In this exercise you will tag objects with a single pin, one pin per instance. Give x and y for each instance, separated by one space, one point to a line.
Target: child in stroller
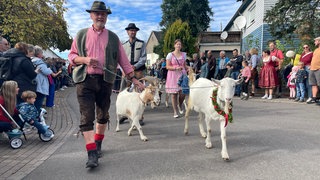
30 114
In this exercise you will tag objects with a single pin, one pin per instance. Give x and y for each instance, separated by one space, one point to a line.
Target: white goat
200 100
132 105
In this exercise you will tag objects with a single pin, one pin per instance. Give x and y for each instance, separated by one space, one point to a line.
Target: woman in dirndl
176 66
268 77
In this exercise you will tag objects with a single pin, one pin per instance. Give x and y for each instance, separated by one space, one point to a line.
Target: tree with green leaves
159 49
290 18
196 13
179 30
38 22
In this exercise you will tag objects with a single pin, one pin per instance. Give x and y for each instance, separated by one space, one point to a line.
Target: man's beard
100 24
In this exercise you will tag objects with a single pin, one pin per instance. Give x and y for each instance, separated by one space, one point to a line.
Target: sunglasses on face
305 47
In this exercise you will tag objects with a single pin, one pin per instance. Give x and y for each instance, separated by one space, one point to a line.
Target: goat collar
141 99
228 117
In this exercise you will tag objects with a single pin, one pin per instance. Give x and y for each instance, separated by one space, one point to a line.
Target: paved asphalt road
276 139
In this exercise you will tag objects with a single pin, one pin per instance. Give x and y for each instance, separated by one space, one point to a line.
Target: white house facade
255 33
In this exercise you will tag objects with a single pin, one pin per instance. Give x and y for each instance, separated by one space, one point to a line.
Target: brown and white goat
154 82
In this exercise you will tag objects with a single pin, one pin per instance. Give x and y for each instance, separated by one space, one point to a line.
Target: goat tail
192 76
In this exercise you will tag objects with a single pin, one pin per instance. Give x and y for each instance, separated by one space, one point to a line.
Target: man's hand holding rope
135 81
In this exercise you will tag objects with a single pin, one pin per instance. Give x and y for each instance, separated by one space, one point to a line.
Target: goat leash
228 117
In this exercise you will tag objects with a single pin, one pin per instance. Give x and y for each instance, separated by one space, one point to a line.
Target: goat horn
150 79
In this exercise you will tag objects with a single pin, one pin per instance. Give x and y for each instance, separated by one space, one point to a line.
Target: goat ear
216 81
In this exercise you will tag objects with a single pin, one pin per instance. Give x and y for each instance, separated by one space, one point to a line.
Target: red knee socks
98 137
91 146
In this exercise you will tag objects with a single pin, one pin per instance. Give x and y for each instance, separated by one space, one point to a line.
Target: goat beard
227 107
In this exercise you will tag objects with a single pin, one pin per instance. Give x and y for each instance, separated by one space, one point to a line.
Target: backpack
6 64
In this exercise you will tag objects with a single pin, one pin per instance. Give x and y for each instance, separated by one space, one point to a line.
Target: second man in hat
136 52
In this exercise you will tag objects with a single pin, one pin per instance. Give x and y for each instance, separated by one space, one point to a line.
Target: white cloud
223 12
145 13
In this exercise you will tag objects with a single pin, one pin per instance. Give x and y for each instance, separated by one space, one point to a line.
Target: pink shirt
96 43
246 72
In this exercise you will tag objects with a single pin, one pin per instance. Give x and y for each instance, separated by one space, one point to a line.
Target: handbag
182 82
50 79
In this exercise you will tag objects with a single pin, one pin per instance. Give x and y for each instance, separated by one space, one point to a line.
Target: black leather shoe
121 121
99 152
92 159
141 122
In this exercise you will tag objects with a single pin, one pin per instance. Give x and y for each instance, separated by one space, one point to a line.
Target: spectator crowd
261 70
32 84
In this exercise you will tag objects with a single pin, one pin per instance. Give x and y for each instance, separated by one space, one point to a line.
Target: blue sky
146 14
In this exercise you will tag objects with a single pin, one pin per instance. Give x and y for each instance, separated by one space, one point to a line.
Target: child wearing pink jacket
291 84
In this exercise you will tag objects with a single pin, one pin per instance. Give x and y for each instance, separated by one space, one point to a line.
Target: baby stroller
43 123
14 135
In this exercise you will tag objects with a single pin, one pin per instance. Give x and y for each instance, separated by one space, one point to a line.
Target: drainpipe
241 41
262 38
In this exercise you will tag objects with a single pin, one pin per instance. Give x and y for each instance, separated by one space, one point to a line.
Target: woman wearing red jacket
8 99
306 58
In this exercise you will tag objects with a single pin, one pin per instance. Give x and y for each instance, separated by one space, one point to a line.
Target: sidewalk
16 164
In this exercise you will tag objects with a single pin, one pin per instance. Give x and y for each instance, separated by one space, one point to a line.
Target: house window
252 14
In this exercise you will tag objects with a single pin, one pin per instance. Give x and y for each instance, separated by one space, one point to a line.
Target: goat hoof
186 133
226 159
144 138
209 146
